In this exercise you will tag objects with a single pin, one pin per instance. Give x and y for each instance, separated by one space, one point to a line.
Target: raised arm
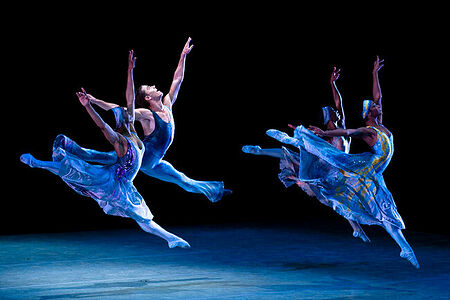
113 137
129 93
376 89
337 96
178 76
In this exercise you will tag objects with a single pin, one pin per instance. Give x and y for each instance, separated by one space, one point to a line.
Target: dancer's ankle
27 159
410 256
251 149
178 242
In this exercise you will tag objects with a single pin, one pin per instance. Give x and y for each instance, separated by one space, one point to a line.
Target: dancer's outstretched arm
113 137
376 89
366 134
337 98
178 76
129 93
101 103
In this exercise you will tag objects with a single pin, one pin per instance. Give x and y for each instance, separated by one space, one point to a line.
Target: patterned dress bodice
128 165
383 149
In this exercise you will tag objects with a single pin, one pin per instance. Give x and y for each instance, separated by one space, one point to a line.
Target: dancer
353 182
289 160
111 185
156 119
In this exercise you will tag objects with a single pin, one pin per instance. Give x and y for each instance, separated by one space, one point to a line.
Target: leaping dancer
289 160
111 185
354 183
155 116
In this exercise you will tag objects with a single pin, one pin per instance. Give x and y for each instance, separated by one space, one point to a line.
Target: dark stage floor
250 261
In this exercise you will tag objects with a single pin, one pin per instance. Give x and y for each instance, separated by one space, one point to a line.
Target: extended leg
257 150
358 231
35 163
407 252
283 137
173 240
63 142
214 190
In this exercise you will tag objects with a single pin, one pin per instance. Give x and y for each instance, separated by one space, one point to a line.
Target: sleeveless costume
353 183
156 145
111 185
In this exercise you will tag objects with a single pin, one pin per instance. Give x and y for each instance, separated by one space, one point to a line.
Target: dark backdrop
250 70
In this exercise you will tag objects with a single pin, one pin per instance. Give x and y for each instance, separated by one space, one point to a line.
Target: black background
250 70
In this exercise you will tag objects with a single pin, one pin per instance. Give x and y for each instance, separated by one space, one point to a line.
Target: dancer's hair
140 98
327 111
116 118
109 118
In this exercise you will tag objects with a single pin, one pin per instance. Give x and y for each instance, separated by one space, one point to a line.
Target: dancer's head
121 119
146 94
330 114
370 110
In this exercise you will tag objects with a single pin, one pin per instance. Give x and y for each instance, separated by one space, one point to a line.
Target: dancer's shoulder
382 130
143 114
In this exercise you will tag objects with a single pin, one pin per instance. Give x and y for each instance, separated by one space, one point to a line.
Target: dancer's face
375 110
334 116
151 92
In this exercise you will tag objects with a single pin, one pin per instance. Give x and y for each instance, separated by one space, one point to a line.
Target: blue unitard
156 145
153 165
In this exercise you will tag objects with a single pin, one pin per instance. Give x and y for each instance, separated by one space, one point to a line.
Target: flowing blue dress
111 185
156 145
353 183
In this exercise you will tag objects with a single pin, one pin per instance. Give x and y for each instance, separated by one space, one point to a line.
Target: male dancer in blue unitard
110 185
154 113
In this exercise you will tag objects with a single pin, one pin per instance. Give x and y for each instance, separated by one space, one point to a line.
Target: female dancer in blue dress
289 160
111 185
353 182
155 116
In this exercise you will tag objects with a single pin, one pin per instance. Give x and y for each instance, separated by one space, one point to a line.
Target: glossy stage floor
248 261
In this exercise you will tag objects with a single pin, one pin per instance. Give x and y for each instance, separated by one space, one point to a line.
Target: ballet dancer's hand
377 65
292 126
187 48
316 130
335 75
131 60
83 97
89 96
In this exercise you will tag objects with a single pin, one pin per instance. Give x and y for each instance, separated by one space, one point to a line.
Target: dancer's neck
124 130
371 122
331 126
156 106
